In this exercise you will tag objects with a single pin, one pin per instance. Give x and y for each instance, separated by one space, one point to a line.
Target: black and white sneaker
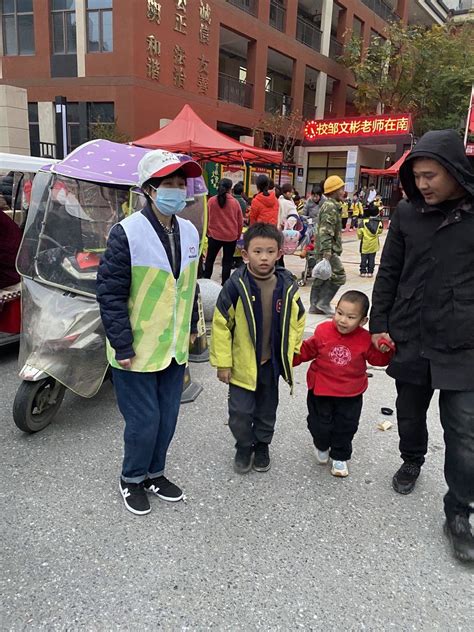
164 489
135 498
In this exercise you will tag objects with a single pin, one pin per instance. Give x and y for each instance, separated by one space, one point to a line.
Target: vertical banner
351 167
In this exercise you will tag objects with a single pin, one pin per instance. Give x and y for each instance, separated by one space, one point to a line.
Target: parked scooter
63 340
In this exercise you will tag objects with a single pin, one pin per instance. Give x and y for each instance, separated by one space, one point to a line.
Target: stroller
294 232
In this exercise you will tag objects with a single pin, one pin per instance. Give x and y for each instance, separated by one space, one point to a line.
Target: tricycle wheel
36 403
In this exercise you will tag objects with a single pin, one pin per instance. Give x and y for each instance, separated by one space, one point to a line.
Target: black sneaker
404 480
261 462
458 531
135 498
243 460
163 488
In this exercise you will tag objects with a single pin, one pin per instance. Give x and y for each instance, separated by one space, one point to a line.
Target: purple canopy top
105 162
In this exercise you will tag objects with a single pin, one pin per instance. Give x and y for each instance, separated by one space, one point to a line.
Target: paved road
290 549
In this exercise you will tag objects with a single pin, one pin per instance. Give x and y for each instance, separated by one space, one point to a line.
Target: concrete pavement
293 548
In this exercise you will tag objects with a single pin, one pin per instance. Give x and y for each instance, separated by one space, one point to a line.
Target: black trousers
457 418
367 263
333 422
213 248
252 414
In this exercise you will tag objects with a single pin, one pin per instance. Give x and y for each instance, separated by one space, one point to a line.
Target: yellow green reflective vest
159 306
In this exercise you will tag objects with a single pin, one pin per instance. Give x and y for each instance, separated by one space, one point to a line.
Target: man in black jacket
424 301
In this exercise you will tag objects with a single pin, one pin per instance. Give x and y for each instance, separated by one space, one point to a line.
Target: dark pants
457 418
213 248
333 422
252 414
150 404
367 263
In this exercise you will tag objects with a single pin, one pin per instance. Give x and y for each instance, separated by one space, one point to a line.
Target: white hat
160 163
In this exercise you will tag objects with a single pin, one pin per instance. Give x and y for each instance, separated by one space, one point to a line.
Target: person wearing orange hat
146 292
328 245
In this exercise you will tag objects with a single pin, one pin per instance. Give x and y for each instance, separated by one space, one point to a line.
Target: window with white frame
63 15
100 37
18 27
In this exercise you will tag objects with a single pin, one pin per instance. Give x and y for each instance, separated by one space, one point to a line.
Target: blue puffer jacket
113 285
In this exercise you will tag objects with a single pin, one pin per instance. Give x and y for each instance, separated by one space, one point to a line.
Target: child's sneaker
261 461
339 468
163 488
322 456
135 498
243 460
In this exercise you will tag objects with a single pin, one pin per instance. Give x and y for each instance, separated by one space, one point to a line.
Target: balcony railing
250 6
382 9
308 34
277 15
233 90
43 150
335 48
309 111
278 103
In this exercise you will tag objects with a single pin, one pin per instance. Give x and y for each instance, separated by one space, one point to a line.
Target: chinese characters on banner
358 126
153 45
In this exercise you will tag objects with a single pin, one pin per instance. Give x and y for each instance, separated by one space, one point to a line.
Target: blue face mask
170 201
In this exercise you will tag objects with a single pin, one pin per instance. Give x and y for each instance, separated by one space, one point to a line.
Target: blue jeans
150 404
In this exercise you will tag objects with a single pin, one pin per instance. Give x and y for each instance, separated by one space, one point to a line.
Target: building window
100 116
73 125
64 27
99 26
33 123
321 165
18 27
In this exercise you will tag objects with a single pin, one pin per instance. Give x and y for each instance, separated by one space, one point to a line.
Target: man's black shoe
163 488
405 479
459 533
261 461
243 460
135 498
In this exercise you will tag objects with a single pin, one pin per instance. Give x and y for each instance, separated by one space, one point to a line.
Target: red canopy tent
391 171
188 134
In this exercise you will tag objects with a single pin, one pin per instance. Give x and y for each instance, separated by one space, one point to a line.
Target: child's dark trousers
367 263
333 422
150 405
252 414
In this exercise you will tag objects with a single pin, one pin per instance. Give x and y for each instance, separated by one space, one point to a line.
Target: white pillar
326 21
81 37
14 127
47 122
320 97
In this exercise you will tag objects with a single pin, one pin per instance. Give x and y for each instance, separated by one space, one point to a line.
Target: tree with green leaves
427 72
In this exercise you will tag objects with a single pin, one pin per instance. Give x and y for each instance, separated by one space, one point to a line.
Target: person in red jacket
223 230
340 350
264 207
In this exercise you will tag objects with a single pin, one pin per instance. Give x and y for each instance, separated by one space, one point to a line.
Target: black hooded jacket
424 291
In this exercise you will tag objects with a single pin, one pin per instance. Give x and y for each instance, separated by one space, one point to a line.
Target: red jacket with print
339 361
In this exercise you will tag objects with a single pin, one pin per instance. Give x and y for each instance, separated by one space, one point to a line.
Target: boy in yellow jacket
257 328
370 228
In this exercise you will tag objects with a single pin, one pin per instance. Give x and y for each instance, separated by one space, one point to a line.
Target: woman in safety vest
146 288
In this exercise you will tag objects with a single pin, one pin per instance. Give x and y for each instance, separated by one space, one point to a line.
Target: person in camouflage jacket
328 245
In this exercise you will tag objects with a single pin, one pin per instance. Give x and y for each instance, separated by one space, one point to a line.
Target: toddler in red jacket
340 350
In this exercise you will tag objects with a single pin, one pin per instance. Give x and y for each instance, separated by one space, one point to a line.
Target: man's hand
125 364
224 375
327 255
376 338
192 338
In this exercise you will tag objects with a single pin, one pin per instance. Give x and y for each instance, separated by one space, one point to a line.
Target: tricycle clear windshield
67 228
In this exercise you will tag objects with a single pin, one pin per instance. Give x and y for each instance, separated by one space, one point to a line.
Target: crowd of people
421 322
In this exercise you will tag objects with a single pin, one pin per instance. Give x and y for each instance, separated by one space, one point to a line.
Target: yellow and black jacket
237 325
